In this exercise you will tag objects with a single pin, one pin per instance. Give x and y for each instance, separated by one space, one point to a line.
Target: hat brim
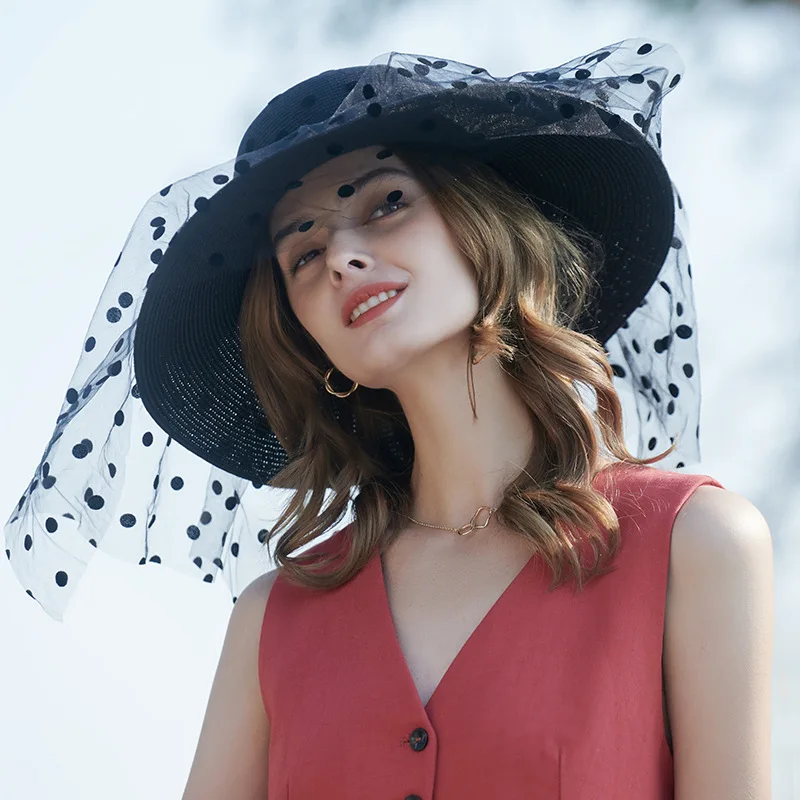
606 178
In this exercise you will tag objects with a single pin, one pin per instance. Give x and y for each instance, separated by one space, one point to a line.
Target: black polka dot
217 562
618 370
82 449
113 314
644 49
374 109
95 502
638 119
156 481
671 407
90 343
115 368
176 483
636 346
439 64
636 78
72 396
582 74
28 541
127 520
232 502
513 97
147 439
165 191
193 532
112 469
205 518
61 578
646 382
48 482
305 226
368 90
656 395
346 190
679 309
480 70
421 69
567 110
611 120
394 196
674 390
201 204
119 418
157 222
660 345
216 487
688 370
459 84
220 179
405 72
197 561
651 445
51 525
676 243
208 579
241 166
158 233
674 82
384 154
683 331
125 299
152 521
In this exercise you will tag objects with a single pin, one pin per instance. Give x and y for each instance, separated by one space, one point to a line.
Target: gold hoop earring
329 388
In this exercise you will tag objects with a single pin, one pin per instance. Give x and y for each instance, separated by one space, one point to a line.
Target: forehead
324 181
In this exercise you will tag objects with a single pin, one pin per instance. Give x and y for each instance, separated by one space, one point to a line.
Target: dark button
413 797
418 739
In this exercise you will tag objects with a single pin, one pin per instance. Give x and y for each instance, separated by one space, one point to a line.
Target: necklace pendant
472 524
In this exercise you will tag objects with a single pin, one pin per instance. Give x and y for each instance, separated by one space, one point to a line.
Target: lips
363 293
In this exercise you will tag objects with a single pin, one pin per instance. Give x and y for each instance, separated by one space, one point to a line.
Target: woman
521 607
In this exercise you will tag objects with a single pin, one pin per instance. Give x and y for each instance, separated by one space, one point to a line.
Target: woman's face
362 219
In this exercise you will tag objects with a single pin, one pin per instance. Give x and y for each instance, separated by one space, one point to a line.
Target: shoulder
717 524
718 644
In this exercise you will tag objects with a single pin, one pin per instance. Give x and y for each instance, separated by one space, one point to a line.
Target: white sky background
102 104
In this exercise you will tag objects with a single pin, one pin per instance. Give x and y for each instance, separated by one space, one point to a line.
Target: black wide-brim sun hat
581 141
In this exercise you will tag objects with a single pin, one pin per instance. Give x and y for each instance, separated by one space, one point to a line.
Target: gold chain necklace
464 529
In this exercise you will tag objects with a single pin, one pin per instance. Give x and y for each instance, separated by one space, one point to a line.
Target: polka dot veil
111 479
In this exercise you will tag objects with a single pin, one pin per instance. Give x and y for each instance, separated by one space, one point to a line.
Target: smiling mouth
375 311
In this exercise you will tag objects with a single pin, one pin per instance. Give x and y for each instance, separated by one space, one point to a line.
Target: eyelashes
392 199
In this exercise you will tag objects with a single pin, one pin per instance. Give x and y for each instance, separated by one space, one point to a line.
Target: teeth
371 303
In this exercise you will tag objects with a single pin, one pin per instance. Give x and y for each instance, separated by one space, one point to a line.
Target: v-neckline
400 656
386 613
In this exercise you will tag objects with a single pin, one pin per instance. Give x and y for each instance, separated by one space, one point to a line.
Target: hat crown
309 102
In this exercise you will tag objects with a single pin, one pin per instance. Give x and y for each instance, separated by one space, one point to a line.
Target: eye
300 261
387 206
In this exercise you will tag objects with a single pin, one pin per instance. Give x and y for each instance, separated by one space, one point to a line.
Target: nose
346 252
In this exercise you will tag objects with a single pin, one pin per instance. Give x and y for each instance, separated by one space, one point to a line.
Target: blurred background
102 104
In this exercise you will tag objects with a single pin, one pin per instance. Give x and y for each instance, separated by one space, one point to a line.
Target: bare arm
718 646
231 756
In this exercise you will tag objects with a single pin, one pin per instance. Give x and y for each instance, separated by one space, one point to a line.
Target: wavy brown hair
535 278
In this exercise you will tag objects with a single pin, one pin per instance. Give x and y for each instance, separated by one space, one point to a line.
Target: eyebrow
356 183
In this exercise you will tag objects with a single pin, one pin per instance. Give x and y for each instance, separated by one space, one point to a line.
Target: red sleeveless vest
554 695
